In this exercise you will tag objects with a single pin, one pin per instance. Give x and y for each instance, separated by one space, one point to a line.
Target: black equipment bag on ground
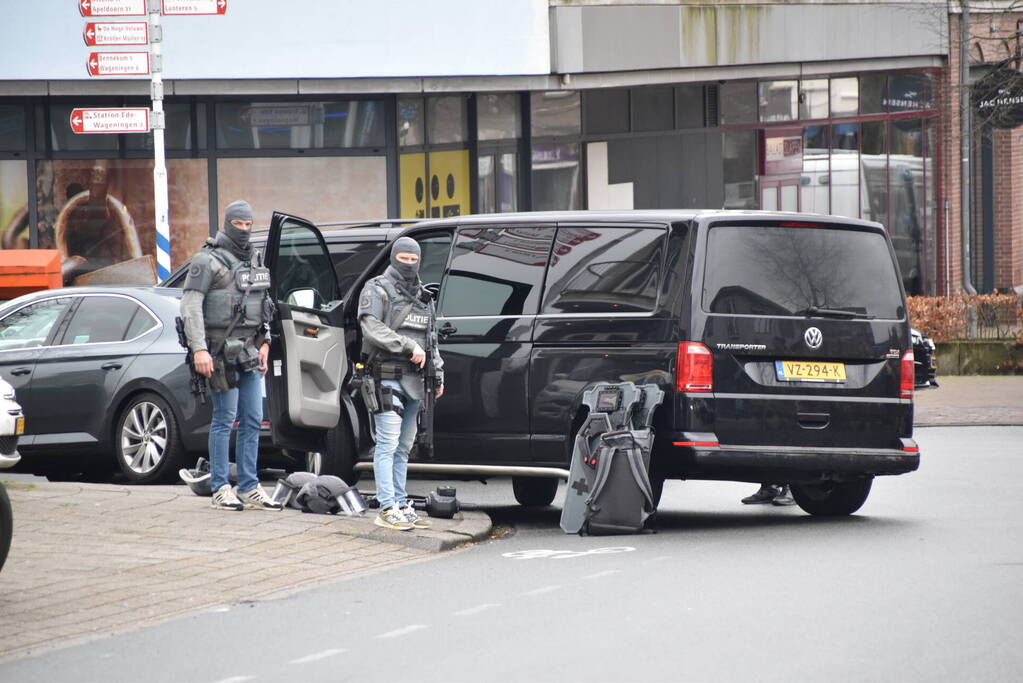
609 488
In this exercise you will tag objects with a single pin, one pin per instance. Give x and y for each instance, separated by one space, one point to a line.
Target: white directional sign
194 7
116 33
118 64
123 120
112 8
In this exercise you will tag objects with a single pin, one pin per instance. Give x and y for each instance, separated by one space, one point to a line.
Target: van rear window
775 270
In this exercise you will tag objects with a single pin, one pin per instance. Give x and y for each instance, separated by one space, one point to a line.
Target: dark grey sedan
98 370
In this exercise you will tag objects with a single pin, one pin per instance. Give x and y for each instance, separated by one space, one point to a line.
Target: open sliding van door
308 359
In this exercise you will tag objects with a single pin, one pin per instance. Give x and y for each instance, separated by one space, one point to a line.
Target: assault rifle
430 385
197 384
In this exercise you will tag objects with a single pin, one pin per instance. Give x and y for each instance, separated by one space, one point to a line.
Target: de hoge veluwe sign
998 97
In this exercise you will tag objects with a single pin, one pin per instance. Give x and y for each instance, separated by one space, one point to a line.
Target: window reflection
845 170
496 271
844 96
604 270
556 176
764 270
778 100
813 99
906 185
815 182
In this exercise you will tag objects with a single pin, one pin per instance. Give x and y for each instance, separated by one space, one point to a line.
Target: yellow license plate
19 426
809 371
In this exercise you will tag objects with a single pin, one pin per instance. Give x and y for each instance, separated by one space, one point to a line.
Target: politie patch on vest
365 301
194 270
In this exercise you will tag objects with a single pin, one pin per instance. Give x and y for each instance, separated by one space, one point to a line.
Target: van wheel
534 491
146 441
6 525
832 498
339 457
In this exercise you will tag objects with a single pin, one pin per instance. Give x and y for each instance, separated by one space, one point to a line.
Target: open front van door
307 355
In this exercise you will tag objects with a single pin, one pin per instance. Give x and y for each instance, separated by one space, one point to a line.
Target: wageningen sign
998 97
110 120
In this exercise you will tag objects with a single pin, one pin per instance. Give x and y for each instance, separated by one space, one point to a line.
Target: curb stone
465 527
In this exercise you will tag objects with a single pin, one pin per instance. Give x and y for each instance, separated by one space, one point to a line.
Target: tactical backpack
609 488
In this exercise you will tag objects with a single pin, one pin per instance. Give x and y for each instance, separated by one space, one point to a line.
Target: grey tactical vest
241 288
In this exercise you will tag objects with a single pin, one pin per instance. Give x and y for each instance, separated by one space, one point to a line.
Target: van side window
604 270
496 271
435 249
350 259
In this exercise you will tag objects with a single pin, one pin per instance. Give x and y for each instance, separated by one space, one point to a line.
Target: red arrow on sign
76 121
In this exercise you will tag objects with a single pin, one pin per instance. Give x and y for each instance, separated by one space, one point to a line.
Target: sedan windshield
801 271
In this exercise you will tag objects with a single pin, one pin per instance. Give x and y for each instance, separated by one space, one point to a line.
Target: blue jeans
395 437
246 402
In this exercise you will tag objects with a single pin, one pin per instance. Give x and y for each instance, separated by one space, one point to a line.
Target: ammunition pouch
375 396
225 375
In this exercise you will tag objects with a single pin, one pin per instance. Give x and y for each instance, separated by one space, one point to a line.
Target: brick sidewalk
971 399
89 560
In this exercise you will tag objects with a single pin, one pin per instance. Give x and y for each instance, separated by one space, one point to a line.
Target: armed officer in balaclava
226 312
397 318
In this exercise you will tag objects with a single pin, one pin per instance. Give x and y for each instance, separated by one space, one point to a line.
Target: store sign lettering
783 155
998 98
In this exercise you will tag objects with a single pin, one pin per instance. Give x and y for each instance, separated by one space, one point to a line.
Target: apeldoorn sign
998 97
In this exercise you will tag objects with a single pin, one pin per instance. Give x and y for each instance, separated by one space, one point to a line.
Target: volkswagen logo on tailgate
813 337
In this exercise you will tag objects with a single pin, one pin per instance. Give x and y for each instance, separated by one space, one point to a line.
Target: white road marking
477 609
317 656
602 574
542 590
236 679
401 631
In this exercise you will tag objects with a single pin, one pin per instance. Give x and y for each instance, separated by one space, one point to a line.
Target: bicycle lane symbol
564 554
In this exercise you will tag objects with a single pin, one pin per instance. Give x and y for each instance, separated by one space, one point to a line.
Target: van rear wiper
833 313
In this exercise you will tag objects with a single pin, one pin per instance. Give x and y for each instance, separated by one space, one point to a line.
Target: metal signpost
134 119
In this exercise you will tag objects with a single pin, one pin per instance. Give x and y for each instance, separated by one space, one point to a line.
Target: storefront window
931 212
738 102
653 109
556 179
739 151
872 93
98 213
497 117
498 183
14 230
778 100
606 111
907 200
322 189
12 128
446 119
909 92
689 106
815 182
845 96
874 160
845 170
555 113
300 125
813 99
410 121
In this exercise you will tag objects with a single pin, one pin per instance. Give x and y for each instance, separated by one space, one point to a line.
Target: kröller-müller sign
110 120
100 33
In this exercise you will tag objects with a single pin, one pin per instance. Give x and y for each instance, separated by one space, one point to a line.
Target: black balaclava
235 239
405 273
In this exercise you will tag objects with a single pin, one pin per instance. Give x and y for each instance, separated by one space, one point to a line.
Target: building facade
350 110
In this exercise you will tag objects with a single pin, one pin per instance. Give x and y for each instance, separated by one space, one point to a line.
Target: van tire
534 491
6 525
832 498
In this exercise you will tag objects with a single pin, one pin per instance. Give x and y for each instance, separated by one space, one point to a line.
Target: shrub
964 316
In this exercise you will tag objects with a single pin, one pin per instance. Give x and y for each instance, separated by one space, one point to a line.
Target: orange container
28 270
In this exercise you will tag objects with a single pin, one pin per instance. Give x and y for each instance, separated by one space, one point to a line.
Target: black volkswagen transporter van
781 341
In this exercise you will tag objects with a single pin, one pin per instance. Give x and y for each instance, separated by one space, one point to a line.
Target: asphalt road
921 585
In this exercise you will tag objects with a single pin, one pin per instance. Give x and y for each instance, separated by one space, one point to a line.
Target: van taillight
694 368
906 375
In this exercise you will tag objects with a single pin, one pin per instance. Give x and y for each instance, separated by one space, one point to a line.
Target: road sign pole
161 203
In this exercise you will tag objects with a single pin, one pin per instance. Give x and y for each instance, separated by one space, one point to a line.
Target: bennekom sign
998 97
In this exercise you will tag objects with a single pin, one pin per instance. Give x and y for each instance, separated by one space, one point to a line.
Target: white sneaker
392 518
411 515
224 499
256 499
